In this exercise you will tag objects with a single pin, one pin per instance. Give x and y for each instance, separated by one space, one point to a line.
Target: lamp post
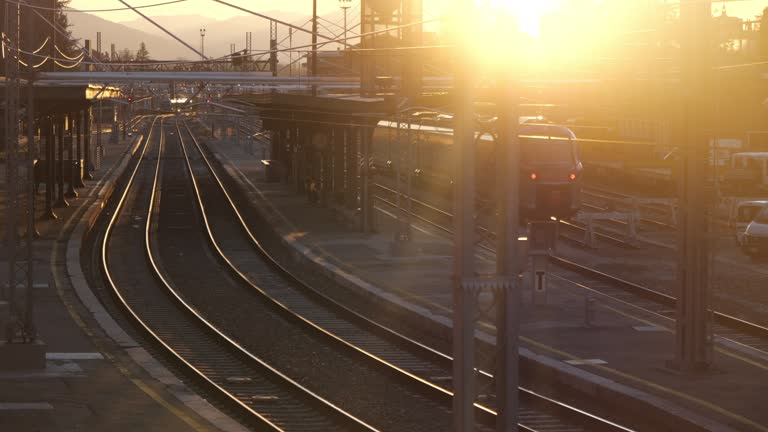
344 5
202 43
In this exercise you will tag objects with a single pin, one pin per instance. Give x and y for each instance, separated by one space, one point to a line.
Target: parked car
744 213
755 243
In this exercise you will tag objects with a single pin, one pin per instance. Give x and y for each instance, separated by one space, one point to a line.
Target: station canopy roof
343 105
51 96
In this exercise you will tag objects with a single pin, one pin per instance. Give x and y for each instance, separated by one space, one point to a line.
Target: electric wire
262 52
61 53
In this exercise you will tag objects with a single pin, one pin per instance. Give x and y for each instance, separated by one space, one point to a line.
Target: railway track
727 328
441 219
734 331
410 361
258 392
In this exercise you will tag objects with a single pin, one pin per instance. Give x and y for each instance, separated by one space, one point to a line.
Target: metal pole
61 200
508 292
314 45
49 168
31 231
71 193
464 241
693 334
345 22
202 44
87 143
79 156
11 138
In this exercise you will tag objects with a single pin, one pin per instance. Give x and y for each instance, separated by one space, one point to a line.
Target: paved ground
89 383
616 344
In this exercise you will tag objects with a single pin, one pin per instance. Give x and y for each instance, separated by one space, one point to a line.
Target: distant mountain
219 34
218 37
85 26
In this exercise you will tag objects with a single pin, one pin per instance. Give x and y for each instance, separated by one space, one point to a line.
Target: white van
744 213
755 243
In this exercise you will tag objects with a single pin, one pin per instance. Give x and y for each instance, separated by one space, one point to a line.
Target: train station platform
91 381
605 349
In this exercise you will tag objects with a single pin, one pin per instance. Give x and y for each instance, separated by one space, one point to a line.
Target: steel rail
727 321
242 407
569 225
528 396
444 394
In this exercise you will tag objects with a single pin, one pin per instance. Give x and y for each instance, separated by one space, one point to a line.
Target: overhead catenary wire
54 26
267 17
61 53
43 45
263 52
166 31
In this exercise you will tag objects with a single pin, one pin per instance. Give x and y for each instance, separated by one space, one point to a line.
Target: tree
125 55
142 54
67 44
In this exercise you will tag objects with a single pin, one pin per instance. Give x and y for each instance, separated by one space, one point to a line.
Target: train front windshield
546 150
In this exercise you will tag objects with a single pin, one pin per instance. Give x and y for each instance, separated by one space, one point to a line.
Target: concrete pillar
366 197
50 168
60 199
337 147
88 116
70 167
79 156
297 162
326 165
351 166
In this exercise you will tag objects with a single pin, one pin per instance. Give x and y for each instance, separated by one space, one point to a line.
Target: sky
528 11
741 8
206 8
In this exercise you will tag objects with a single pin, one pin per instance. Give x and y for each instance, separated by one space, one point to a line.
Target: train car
550 168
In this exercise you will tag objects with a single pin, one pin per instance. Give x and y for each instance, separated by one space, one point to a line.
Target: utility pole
693 334
314 45
19 210
507 284
98 46
290 51
202 44
345 5
464 288
273 47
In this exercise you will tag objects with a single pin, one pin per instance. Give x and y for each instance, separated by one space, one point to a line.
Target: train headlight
533 176
572 176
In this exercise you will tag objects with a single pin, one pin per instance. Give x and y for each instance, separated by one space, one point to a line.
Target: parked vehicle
743 214
755 243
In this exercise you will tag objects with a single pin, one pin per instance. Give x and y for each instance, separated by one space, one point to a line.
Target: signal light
207 101
572 176
533 176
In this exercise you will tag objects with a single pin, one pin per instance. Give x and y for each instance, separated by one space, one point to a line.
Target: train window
546 150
